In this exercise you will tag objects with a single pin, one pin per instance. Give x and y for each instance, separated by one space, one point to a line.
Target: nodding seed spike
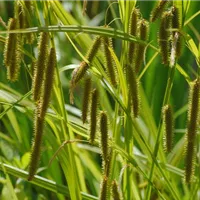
176 25
93 115
12 54
104 137
77 75
143 34
193 118
115 191
164 36
86 99
104 189
168 127
158 10
93 49
9 43
48 82
133 31
134 90
36 146
107 43
40 65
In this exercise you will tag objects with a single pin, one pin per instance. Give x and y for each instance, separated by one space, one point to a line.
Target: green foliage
69 166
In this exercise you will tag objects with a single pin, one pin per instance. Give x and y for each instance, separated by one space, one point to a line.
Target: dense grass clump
99 100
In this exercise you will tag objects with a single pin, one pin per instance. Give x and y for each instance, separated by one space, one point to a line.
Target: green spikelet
193 117
10 42
40 66
93 115
104 189
77 75
115 191
164 36
86 99
133 31
36 147
104 137
176 25
157 11
168 127
134 90
93 49
143 34
48 83
107 43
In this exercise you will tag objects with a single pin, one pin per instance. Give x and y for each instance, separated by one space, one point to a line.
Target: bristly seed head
110 68
176 25
48 82
40 65
143 35
86 98
93 49
157 11
104 137
193 118
36 146
77 75
133 31
133 85
115 191
168 127
164 36
12 54
93 115
104 189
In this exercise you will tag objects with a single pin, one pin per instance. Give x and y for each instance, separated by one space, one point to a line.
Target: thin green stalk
109 32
